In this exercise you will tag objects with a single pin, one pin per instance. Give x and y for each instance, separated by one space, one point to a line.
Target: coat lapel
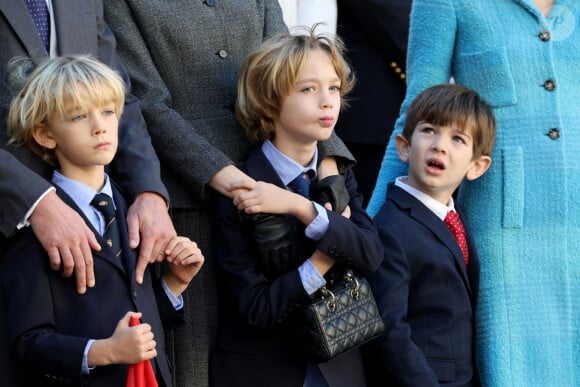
19 19
426 217
69 13
261 170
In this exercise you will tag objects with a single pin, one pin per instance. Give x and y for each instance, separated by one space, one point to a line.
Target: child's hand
346 213
184 262
127 345
266 197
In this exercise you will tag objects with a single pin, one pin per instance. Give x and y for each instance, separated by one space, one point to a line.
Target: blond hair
272 69
43 96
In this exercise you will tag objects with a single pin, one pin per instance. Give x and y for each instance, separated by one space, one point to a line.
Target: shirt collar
287 168
437 207
81 193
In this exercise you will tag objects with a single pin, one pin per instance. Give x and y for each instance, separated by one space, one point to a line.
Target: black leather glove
331 189
276 240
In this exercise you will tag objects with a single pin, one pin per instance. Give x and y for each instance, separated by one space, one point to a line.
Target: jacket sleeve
353 241
20 188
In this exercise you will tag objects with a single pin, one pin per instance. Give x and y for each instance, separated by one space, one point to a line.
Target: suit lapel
106 252
426 217
69 13
261 170
19 19
128 254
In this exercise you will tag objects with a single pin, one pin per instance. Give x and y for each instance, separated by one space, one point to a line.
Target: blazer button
549 85
135 294
545 36
554 133
222 54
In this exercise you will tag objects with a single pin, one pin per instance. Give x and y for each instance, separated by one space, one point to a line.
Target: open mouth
435 164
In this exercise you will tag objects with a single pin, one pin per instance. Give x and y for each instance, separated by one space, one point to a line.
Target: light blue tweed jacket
525 211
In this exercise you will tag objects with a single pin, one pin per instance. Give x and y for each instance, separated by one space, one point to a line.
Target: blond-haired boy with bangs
68 113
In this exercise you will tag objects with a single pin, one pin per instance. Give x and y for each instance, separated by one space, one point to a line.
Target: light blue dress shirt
82 195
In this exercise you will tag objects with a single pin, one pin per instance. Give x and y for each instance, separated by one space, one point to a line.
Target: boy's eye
335 88
308 89
108 113
78 117
428 129
459 139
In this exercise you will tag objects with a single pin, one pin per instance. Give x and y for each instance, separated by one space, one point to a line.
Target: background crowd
180 147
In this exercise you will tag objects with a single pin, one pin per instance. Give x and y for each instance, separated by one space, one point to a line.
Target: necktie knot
104 204
453 222
301 184
38 10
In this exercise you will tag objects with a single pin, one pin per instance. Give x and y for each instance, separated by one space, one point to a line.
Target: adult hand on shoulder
151 228
66 238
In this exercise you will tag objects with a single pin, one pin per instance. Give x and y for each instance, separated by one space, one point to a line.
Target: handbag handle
354 292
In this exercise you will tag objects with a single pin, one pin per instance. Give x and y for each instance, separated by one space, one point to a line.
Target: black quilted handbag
340 318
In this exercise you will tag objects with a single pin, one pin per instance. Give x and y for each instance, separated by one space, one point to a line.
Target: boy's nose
98 127
439 144
326 101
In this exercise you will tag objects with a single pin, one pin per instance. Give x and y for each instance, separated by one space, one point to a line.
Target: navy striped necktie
104 204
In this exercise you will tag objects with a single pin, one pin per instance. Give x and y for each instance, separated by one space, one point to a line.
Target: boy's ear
402 147
42 135
478 167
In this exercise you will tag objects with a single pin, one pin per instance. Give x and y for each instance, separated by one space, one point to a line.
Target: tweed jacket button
222 54
549 85
545 36
554 134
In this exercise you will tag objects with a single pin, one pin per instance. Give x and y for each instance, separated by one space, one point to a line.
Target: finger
87 255
346 213
124 321
140 269
133 229
54 258
246 184
81 269
328 206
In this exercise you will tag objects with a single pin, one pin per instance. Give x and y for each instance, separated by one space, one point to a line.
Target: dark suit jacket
252 347
375 33
80 29
49 323
427 299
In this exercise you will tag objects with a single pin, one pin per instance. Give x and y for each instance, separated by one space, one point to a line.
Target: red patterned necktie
453 222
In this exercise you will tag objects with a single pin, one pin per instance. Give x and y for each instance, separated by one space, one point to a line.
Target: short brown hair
43 95
454 104
272 69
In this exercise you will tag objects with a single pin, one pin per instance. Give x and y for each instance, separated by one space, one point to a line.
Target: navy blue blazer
49 323
252 347
427 298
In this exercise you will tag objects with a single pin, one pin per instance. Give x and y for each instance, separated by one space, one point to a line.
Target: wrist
175 284
101 353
